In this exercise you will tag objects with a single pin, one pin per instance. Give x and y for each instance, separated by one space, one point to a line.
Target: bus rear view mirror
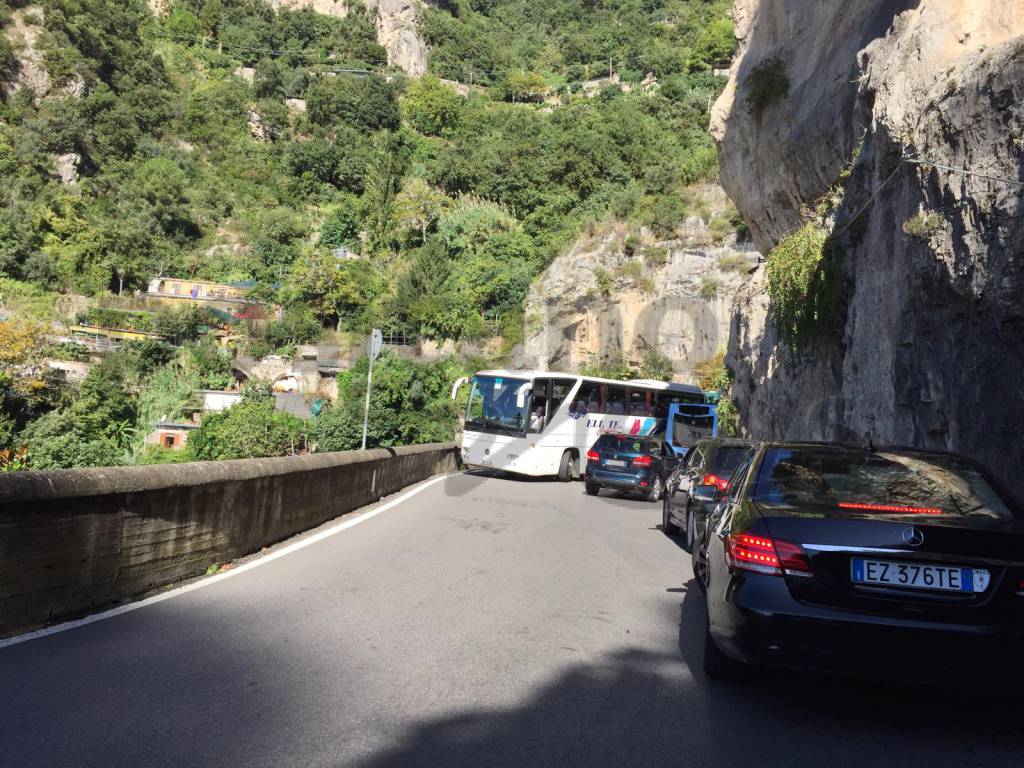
521 395
458 385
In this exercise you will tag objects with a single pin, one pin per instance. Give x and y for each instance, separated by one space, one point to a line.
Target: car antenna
869 445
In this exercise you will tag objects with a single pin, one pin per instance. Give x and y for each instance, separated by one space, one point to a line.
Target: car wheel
691 528
699 561
565 468
593 489
657 490
667 526
718 665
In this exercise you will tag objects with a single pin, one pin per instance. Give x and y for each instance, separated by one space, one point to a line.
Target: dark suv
709 462
643 465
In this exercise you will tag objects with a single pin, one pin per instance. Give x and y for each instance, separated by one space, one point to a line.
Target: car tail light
593 456
642 461
762 554
897 508
712 479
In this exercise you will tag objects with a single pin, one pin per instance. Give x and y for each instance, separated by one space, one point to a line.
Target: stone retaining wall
74 541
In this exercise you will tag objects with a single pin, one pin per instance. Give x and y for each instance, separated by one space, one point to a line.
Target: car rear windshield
727 458
624 444
884 483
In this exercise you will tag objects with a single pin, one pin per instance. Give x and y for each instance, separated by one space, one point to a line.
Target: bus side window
590 396
615 399
560 389
638 403
659 405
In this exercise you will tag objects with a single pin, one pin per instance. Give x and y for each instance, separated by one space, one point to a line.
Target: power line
967 172
871 199
909 157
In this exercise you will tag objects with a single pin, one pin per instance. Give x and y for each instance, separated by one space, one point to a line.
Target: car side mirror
708 493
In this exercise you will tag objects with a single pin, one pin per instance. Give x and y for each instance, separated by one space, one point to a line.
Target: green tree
431 107
367 103
253 428
381 181
410 404
267 80
418 205
329 286
341 228
525 86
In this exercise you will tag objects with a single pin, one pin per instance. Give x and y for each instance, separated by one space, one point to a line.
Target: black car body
643 465
709 462
886 562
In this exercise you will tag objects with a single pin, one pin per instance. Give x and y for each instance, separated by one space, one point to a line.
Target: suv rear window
727 458
883 483
625 443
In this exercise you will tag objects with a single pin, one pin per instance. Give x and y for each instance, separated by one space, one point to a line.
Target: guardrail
79 540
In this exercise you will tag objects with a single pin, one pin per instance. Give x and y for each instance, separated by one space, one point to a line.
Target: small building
227 299
169 287
74 371
170 434
215 401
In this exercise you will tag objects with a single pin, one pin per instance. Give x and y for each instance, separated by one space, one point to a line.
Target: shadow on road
637 708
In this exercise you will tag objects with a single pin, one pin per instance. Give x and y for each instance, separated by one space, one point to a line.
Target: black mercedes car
878 561
709 462
640 464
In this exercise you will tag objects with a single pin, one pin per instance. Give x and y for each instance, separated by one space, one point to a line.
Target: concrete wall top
26 487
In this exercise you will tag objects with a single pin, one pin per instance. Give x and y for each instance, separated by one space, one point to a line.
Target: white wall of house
215 402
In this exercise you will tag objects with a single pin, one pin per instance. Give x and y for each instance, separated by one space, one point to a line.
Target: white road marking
205 582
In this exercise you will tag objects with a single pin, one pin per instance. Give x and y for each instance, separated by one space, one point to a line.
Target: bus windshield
492 405
691 423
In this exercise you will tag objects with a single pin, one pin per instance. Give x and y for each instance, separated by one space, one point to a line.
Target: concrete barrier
74 541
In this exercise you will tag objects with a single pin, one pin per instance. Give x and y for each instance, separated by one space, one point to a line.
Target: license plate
943 578
615 463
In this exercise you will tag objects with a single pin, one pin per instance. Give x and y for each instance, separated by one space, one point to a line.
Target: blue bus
687 423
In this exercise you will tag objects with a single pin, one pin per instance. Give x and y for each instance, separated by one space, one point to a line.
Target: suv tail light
593 456
761 554
712 479
642 461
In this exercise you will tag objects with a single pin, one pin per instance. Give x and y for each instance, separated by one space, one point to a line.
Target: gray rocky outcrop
396 22
931 342
672 297
66 168
23 32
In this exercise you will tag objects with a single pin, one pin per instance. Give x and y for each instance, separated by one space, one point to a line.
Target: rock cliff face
397 30
932 347
673 297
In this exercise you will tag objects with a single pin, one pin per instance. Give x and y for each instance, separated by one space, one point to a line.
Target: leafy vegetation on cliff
571 41
229 142
804 286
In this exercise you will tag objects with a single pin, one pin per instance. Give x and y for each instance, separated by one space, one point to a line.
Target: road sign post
372 350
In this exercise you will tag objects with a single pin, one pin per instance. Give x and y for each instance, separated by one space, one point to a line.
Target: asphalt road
483 622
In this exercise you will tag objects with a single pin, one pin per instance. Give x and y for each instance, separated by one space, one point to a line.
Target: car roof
628 436
727 441
846 446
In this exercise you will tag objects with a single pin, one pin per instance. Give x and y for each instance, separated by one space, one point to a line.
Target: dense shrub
766 84
251 429
804 288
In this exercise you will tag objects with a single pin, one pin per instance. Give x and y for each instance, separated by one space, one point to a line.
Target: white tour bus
540 422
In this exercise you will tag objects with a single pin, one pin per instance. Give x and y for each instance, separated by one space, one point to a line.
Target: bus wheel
565 468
